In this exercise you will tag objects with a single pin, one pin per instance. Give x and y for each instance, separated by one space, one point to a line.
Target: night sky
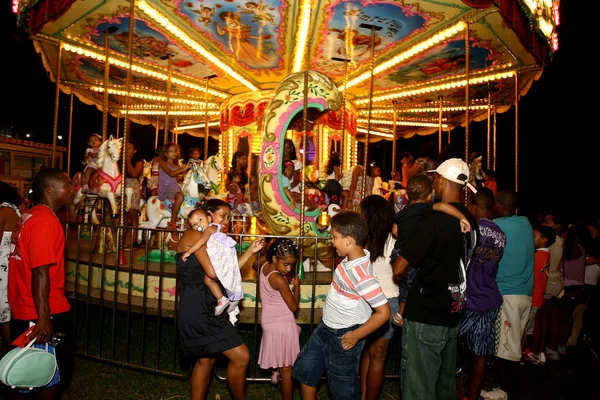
559 145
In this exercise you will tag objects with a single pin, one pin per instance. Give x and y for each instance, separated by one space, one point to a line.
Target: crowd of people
514 290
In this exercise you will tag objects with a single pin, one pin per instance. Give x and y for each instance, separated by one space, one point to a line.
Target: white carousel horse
105 182
203 174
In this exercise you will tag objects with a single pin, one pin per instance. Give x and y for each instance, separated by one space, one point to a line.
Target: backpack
28 367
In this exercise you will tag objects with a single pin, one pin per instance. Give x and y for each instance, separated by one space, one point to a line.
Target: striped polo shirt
353 291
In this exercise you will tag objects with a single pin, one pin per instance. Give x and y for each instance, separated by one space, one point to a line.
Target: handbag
28 367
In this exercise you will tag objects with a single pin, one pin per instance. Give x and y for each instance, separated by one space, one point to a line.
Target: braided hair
282 247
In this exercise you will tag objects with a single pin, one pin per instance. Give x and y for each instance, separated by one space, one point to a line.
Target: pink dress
280 343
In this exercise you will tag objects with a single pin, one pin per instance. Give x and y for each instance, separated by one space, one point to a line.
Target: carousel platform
138 283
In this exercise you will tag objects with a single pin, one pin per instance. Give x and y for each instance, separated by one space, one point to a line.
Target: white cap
455 170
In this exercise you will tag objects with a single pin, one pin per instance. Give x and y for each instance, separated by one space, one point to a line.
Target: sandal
398 320
221 305
275 378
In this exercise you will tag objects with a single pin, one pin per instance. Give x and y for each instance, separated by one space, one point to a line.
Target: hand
296 281
465 226
185 256
257 245
42 332
348 340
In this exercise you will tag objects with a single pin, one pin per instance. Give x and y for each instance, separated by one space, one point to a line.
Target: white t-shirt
592 272
377 183
384 272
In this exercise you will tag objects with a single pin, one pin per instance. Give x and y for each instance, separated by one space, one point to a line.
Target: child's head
349 229
283 253
170 151
94 140
543 236
235 176
419 189
219 211
195 153
288 170
199 219
481 203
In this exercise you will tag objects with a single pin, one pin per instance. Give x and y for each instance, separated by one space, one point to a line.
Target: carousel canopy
401 63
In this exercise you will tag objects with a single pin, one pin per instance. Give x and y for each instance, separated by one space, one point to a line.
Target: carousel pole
373 28
441 118
343 143
56 99
121 237
107 33
168 105
176 132
70 134
467 101
516 132
495 115
305 134
156 134
489 128
118 124
394 123
206 117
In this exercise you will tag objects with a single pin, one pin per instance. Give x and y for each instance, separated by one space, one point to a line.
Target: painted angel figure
259 12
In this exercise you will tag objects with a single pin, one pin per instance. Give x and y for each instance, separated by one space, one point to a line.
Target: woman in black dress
202 335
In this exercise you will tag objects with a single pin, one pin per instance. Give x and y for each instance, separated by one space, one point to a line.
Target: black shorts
65 349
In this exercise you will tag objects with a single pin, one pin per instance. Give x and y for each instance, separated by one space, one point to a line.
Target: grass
149 342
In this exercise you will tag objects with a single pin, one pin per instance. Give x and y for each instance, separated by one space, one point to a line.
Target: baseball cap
455 170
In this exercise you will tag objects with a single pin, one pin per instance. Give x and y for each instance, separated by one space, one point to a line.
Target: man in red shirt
36 273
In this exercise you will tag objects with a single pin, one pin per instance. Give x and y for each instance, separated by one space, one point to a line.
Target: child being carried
221 251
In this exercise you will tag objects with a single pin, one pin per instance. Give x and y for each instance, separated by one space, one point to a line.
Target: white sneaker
552 354
542 358
494 394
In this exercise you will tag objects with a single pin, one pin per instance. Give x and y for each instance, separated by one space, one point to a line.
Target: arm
455 212
380 316
413 170
297 178
200 243
136 170
254 248
279 283
288 193
355 172
399 266
40 289
164 166
338 173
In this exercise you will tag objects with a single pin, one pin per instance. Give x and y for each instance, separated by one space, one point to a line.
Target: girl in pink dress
280 343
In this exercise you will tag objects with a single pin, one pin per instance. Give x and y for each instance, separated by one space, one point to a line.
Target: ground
572 377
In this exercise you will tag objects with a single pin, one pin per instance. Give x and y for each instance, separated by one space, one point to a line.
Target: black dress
201 333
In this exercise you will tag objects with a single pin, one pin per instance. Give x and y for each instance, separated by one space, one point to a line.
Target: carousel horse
105 182
287 103
200 182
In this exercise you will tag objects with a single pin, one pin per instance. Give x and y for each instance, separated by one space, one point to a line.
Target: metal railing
125 300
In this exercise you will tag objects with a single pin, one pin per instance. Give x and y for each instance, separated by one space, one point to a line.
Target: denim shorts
323 353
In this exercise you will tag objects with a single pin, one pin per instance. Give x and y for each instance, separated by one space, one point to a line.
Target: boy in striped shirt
336 343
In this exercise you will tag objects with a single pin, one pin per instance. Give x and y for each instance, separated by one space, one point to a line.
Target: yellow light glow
413 51
302 35
196 126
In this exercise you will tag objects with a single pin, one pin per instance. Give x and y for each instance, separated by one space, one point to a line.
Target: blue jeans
324 353
428 361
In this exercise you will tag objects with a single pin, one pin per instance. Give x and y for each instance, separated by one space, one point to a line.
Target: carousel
328 75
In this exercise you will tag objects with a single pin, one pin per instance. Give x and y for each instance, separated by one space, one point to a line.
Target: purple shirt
482 290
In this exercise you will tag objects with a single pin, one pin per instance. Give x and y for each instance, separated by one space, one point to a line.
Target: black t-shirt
408 221
436 249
